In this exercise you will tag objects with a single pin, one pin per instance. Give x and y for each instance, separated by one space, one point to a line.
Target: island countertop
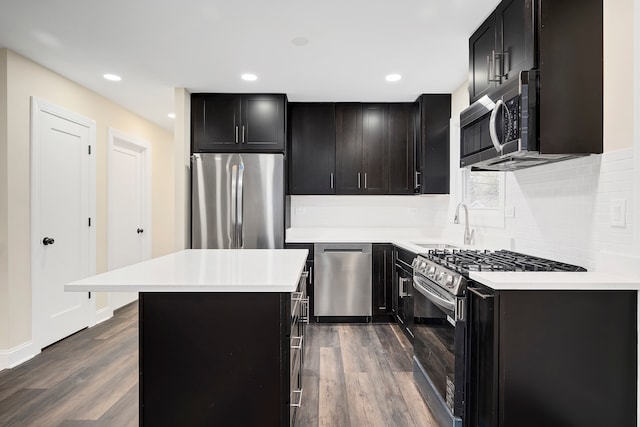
204 270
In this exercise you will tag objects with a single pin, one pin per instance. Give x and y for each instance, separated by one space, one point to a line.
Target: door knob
47 241
140 230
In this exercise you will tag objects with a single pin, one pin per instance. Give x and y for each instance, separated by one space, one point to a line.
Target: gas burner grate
465 260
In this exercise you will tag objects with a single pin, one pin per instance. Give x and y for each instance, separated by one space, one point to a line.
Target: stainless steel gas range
441 284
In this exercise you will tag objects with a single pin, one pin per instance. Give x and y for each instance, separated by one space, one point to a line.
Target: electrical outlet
509 211
618 212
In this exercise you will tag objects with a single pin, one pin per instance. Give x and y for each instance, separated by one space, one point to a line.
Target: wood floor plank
363 408
419 411
353 359
397 356
123 413
332 405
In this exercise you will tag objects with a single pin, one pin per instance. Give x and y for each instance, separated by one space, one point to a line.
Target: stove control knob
431 271
440 276
448 280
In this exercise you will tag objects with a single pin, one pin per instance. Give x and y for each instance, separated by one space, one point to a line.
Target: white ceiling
205 45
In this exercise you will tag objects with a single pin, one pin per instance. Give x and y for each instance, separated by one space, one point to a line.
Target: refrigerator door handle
240 208
234 198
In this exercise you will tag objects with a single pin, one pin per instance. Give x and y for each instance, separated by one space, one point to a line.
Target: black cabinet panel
481 48
375 143
349 179
382 282
231 122
435 113
263 121
516 36
401 149
312 131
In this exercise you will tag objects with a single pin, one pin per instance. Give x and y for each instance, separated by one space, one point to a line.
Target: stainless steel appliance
441 357
342 280
237 201
500 130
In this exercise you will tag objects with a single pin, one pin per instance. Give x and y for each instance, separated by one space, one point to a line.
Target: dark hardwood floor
354 375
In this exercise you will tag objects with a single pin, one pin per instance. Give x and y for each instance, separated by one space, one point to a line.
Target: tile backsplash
424 212
565 210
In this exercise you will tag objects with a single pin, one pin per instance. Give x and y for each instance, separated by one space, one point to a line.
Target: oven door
439 328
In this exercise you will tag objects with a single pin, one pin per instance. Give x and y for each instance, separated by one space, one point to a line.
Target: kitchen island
221 334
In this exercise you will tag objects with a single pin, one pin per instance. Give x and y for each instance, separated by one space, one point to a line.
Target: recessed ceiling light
112 77
171 115
300 41
249 77
393 77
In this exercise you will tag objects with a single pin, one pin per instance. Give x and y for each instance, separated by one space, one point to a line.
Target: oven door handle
434 298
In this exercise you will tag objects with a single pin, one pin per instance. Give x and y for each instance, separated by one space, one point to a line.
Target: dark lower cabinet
215 359
312 148
551 358
382 282
233 122
402 291
310 270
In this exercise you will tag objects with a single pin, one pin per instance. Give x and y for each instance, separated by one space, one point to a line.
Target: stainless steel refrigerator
237 201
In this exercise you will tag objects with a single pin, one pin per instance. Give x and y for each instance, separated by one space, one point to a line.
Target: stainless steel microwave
500 131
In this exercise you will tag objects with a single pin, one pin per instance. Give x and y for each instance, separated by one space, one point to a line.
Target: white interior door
129 196
63 201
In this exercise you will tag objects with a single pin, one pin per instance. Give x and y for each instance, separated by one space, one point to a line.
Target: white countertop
204 270
558 281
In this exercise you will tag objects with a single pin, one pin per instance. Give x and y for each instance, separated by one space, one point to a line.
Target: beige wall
4 287
618 76
182 150
25 79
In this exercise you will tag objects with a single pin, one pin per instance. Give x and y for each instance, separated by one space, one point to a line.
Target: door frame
116 138
40 105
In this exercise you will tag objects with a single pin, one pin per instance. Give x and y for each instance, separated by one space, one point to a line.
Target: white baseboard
17 355
103 314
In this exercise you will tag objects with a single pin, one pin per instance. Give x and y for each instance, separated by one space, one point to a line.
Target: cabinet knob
48 241
140 231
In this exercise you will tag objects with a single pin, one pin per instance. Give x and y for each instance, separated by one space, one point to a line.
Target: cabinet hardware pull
298 345
416 179
331 177
243 140
299 403
480 294
358 179
365 180
236 134
492 76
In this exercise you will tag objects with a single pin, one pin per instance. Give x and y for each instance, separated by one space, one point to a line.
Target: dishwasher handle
343 250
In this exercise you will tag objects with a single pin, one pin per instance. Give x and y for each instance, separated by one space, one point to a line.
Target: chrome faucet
468 235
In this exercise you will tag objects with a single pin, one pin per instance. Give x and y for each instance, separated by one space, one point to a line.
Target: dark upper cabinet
501 47
433 113
382 281
349 148
375 145
231 122
481 45
312 139
402 148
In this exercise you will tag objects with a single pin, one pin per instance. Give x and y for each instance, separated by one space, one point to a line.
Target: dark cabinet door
401 149
349 179
481 65
312 132
215 121
231 122
382 281
263 121
515 35
375 149
435 114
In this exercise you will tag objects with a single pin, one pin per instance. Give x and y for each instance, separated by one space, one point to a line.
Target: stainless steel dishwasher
342 279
